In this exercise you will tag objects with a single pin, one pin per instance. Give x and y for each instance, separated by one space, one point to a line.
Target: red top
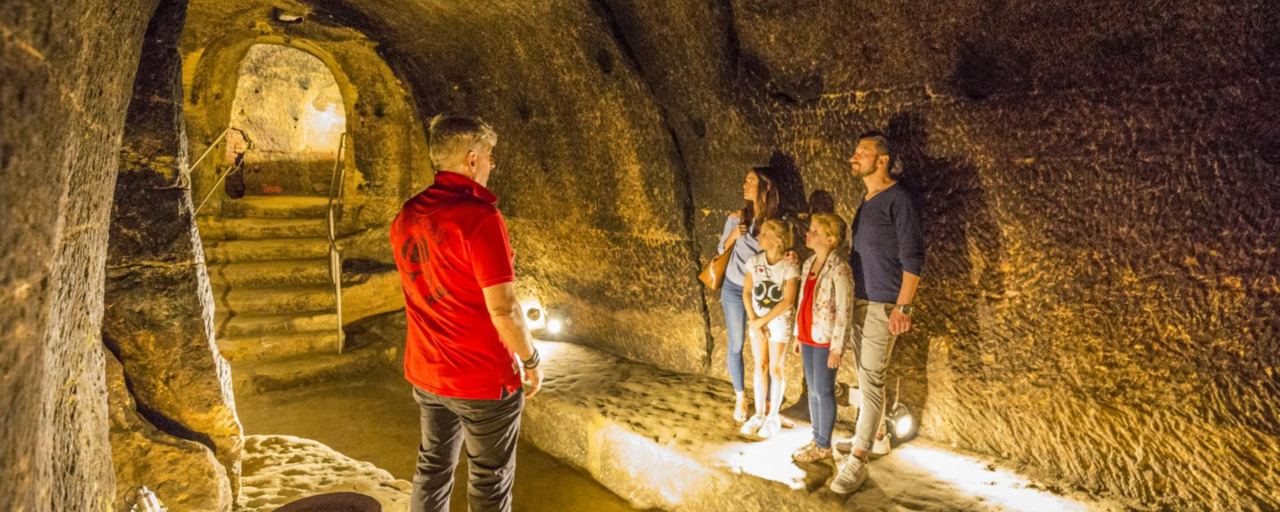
450 243
804 317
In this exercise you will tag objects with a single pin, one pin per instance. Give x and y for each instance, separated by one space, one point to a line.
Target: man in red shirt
467 339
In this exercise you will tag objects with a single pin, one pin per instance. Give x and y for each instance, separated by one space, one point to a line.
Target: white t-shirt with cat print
768 284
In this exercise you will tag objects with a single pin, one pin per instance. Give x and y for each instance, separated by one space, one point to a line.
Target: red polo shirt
450 243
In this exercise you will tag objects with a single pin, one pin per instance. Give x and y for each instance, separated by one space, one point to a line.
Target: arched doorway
268 246
289 104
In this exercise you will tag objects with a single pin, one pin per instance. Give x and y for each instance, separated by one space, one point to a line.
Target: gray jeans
490 429
872 347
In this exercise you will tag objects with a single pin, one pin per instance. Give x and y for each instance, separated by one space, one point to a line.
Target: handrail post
335 257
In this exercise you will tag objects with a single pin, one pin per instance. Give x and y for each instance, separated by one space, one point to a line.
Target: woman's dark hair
766 204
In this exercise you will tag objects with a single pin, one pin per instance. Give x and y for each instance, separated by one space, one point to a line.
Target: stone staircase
268 260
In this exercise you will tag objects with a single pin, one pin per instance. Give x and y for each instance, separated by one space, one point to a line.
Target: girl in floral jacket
822 323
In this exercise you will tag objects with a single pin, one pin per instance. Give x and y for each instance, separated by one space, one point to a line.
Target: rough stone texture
386 158
565 88
282 469
662 440
1099 300
67 69
279 95
158 318
289 104
183 474
1098 181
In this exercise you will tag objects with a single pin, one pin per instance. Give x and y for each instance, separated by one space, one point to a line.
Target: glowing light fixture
535 316
902 425
554 326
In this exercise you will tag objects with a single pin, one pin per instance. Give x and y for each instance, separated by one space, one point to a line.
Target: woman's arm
731 231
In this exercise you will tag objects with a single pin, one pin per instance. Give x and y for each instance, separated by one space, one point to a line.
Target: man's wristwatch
906 309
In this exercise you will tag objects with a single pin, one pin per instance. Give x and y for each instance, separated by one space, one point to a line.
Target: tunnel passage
1100 303
268 248
290 97
290 106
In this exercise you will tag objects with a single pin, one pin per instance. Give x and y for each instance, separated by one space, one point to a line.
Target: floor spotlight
902 424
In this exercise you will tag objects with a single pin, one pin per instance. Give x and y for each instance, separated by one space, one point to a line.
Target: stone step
261 228
274 325
252 376
233 251
275 301
273 273
277 207
279 346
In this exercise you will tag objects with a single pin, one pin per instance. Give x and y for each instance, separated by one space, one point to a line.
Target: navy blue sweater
887 240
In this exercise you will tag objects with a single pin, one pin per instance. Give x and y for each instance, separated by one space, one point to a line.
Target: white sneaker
851 477
772 425
881 446
752 425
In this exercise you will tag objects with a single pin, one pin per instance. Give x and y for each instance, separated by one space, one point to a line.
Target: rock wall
183 474
68 68
158 318
385 159
589 177
1098 181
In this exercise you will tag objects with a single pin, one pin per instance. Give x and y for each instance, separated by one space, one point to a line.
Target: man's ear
471 159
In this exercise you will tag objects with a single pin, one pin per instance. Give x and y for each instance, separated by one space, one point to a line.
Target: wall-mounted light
535 316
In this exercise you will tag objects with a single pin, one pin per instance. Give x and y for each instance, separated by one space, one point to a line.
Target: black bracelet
533 361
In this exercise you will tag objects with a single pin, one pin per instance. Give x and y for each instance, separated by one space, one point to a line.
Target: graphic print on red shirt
450 242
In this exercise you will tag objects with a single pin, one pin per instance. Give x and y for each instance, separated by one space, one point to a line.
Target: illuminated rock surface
183 474
281 469
1098 181
668 441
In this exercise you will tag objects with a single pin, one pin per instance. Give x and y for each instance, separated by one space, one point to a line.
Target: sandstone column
159 307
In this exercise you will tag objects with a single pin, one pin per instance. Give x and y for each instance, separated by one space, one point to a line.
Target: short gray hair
451 137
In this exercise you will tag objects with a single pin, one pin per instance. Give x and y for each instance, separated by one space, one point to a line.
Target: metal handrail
235 166
335 257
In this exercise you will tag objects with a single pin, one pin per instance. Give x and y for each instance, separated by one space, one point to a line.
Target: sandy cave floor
375 419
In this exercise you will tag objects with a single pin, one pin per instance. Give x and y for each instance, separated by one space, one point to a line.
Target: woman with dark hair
740 232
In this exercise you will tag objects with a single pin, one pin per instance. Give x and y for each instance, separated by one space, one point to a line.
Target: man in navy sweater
887 261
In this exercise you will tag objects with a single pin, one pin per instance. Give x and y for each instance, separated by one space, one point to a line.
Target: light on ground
901 423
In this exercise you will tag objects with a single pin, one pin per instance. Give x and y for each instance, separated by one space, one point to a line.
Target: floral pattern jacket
832 302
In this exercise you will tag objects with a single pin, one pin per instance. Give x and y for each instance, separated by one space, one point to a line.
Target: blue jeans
822 392
735 321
